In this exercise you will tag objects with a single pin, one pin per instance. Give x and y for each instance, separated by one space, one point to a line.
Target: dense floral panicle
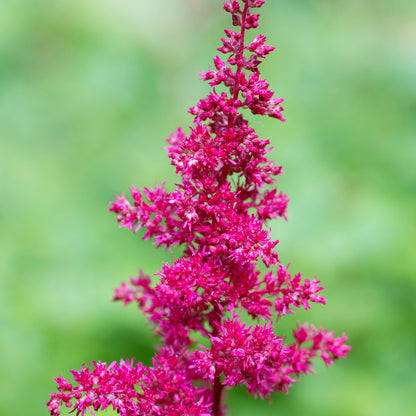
217 213
224 169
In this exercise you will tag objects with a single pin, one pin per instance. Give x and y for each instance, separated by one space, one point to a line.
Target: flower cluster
131 390
218 215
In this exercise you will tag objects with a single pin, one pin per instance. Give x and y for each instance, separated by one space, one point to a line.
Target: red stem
217 390
217 386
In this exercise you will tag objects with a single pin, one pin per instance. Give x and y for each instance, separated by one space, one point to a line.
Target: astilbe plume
217 214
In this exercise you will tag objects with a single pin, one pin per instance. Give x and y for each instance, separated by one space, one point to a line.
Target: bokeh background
89 89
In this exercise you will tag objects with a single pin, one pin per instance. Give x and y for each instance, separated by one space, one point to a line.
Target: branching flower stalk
218 215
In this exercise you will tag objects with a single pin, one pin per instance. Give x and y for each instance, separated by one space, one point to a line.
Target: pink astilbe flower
218 214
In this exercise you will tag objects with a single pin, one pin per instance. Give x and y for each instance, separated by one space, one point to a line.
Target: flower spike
218 213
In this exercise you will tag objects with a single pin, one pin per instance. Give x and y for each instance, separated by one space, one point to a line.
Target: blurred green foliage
88 91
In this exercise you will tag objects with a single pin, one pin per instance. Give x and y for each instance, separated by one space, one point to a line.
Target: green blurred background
89 89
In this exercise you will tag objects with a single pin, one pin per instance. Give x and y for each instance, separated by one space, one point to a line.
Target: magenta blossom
218 214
